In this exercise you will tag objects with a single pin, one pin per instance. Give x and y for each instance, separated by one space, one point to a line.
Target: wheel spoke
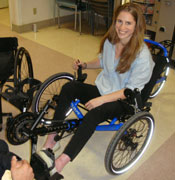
126 154
129 143
50 90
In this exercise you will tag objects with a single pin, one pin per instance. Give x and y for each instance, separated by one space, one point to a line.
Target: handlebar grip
79 71
81 77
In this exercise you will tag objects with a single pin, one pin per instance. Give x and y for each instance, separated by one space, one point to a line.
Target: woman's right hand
77 63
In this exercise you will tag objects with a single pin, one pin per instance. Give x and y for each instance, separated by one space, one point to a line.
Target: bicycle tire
123 147
48 90
23 68
160 83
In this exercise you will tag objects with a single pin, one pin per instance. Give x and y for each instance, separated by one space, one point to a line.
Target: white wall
21 11
14 12
45 10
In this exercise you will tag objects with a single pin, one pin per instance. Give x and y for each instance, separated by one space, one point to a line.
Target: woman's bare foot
50 142
61 162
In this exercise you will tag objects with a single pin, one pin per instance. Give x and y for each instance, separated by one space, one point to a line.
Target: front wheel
129 143
50 90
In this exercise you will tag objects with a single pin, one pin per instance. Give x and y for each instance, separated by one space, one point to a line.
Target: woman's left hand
93 103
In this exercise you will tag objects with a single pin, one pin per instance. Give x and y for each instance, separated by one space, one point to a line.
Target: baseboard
41 24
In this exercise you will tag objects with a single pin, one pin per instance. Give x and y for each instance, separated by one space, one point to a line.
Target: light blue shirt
109 80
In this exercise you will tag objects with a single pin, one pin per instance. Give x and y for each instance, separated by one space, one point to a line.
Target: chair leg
92 22
54 10
58 15
80 22
97 17
75 25
9 115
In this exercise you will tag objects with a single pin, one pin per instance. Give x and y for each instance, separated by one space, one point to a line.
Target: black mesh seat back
8 47
160 63
8 44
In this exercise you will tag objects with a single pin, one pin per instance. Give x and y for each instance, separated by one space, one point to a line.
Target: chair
8 48
160 71
17 84
71 5
102 8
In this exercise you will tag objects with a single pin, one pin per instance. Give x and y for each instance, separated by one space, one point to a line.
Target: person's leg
50 143
71 91
86 129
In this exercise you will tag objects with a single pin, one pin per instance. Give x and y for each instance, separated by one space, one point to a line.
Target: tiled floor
67 41
4 16
85 48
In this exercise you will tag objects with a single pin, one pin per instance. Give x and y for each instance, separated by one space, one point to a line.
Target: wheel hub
128 140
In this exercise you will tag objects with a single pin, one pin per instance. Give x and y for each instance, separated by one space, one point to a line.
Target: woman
126 63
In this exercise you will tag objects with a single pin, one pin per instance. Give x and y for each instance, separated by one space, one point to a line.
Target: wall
22 12
166 21
14 12
44 10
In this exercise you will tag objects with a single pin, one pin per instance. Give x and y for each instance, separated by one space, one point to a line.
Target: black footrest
19 100
12 96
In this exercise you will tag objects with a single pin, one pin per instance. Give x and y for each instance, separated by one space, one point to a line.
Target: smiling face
125 26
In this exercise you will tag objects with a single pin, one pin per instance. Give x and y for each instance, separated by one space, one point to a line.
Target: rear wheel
160 83
129 143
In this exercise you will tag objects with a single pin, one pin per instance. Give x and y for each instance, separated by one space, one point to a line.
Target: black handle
81 77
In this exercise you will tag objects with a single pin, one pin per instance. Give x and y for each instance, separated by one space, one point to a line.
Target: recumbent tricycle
133 131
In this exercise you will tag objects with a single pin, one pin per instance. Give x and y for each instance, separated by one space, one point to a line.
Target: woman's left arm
93 103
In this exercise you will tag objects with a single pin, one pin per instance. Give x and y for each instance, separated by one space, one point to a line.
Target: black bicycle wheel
50 89
15 128
129 143
22 69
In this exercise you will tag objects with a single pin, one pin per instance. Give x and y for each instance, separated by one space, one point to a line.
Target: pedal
43 164
56 176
